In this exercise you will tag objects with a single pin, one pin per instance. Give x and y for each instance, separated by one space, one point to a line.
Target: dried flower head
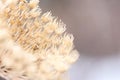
33 46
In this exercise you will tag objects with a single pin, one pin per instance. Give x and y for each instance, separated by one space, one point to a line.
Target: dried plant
33 46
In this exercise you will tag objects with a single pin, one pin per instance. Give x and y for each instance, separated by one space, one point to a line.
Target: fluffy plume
33 46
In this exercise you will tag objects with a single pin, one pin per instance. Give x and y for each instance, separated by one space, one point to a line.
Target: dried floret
33 46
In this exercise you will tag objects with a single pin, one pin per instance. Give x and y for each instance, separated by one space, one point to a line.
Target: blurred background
95 25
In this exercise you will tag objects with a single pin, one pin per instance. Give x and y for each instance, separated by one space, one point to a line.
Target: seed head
33 46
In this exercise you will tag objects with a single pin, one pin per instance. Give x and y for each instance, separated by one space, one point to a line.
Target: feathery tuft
33 46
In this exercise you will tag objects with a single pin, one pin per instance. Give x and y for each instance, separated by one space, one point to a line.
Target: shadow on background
94 23
2 78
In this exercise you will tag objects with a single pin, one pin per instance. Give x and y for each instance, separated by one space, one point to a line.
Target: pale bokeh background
94 23
96 27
